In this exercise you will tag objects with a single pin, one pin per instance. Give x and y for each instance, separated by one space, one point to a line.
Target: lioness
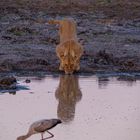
69 50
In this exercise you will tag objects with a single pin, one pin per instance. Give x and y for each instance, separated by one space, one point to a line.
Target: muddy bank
111 38
7 83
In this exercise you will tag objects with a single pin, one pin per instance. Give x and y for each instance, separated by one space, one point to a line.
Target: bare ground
109 32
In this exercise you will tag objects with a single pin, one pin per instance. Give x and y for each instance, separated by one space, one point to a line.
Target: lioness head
70 61
69 67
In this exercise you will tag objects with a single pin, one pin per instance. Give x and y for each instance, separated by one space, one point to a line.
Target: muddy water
91 108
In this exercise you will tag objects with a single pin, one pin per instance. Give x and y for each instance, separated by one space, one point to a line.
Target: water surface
91 108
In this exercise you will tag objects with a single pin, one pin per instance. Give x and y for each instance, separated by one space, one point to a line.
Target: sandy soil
109 32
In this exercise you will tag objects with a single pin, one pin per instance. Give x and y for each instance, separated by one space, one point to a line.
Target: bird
41 126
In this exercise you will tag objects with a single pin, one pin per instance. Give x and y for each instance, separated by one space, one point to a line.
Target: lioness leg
61 67
77 67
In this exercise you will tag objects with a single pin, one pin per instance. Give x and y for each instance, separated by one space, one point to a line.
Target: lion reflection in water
68 93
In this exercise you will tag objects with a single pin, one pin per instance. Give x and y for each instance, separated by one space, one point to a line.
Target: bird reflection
40 127
67 93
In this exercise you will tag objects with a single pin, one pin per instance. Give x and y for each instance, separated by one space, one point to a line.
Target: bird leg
50 136
50 133
42 136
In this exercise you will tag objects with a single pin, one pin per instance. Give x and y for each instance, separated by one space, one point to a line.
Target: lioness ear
72 53
65 53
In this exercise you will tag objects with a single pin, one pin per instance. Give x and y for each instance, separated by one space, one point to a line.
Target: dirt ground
109 32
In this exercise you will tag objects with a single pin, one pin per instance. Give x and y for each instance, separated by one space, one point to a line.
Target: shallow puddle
91 108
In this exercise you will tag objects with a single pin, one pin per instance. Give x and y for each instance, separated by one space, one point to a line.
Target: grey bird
41 126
